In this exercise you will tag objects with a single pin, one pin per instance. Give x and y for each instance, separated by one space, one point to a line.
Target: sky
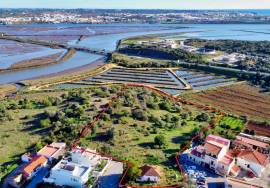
137 4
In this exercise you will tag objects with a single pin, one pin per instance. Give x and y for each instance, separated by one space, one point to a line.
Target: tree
160 140
110 133
139 115
45 122
38 146
202 117
13 105
134 171
47 102
2 111
165 105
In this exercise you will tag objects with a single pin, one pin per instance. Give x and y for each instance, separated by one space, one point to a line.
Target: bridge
53 44
90 50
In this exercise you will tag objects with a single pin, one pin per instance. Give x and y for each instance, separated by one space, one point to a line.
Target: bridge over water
53 44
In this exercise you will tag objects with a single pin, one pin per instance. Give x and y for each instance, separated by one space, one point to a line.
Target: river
252 32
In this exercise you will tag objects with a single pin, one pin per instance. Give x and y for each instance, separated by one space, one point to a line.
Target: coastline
44 61
77 73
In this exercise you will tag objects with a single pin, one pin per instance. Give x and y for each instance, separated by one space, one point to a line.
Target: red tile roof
252 142
227 160
217 139
235 169
211 148
48 151
254 156
36 162
149 171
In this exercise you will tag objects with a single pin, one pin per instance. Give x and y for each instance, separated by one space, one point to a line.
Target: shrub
45 122
160 140
134 171
203 117
139 115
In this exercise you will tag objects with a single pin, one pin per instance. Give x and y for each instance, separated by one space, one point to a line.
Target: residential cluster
53 165
128 16
245 158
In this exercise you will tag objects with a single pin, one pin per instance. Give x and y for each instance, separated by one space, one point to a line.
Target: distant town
104 16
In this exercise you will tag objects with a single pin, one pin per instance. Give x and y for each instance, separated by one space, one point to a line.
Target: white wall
84 159
195 159
63 177
258 169
147 178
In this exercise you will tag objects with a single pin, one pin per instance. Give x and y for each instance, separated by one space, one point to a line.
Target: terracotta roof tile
48 151
227 160
217 139
254 156
34 164
252 142
211 148
149 171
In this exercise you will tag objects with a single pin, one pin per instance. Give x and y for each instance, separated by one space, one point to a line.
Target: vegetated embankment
41 61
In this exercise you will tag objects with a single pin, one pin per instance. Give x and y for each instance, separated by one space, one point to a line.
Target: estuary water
252 32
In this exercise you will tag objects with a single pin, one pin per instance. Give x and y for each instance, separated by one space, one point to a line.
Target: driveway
111 176
9 177
38 177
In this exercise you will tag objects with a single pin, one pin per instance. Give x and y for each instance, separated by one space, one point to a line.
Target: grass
131 61
19 135
134 40
134 139
233 122
228 127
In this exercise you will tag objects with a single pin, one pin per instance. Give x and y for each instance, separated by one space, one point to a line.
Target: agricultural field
228 127
147 128
240 99
258 128
200 80
162 79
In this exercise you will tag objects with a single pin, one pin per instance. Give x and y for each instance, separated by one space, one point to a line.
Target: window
212 162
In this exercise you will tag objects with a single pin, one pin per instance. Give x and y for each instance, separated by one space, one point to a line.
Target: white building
149 174
53 151
252 161
213 154
230 58
75 170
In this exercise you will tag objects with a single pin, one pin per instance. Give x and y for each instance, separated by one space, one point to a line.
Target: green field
34 119
121 134
228 127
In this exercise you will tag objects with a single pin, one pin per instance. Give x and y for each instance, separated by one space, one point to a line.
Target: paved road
112 175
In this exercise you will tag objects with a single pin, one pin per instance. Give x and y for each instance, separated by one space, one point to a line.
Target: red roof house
33 166
149 174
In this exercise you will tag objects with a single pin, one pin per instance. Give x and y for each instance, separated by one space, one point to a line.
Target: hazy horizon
139 4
